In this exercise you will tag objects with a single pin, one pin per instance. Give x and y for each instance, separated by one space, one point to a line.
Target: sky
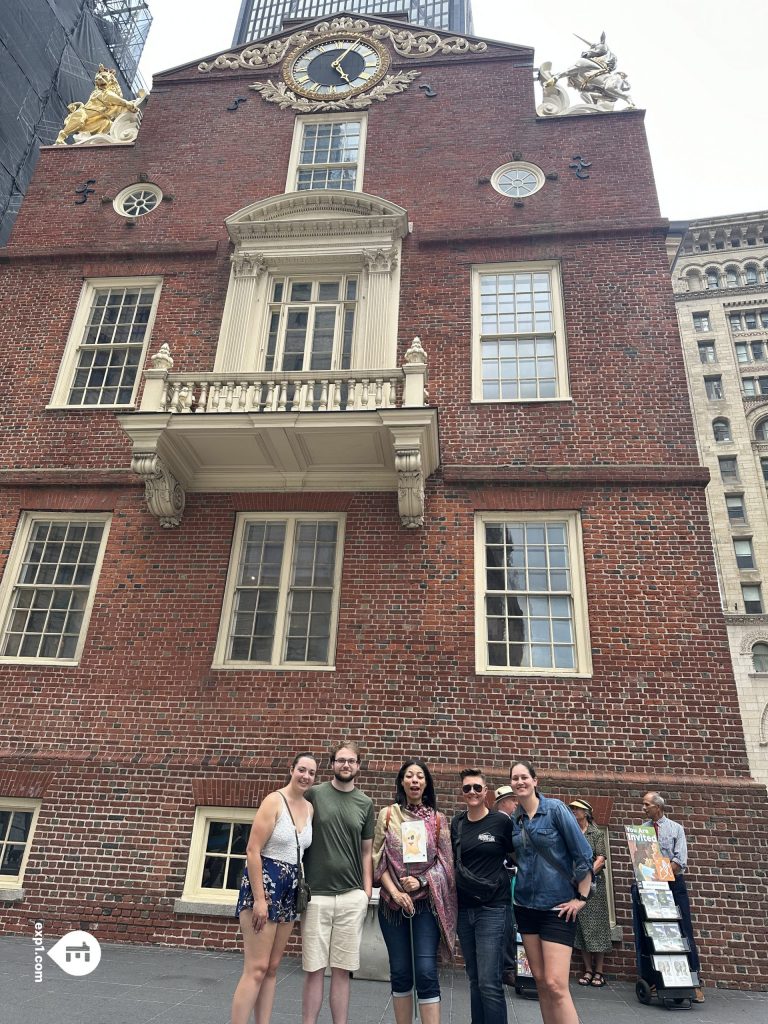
695 66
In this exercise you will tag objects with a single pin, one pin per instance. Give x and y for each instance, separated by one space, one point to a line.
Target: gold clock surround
346 44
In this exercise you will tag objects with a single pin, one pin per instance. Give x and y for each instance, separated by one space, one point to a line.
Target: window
282 594
701 322
761 430
757 349
49 585
729 468
530 594
107 343
722 430
713 279
328 153
519 351
707 352
518 180
137 200
760 657
753 599
731 277
217 854
311 323
750 274
714 387
734 504
749 321
18 819
753 386
764 468
745 557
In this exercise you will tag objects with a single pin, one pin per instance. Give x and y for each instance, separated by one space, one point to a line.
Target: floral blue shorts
281 883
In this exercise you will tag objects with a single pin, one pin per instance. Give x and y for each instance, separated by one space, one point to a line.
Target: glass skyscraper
259 18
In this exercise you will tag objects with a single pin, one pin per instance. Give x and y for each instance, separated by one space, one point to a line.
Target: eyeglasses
345 760
473 787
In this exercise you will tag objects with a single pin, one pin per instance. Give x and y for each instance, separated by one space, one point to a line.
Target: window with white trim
753 598
282 593
311 323
519 350
107 343
760 657
49 586
328 152
530 594
18 819
217 854
745 555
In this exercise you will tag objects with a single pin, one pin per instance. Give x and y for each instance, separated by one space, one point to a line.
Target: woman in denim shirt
550 850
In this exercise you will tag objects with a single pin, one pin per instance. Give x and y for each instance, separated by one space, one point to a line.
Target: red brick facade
122 747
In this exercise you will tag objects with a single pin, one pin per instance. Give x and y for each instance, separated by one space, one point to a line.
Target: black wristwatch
578 896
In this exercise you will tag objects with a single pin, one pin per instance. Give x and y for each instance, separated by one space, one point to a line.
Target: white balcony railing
276 392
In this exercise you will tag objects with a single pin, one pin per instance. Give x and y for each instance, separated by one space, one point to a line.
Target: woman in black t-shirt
481 840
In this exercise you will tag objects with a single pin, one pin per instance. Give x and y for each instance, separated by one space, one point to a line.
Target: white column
236 348
378 339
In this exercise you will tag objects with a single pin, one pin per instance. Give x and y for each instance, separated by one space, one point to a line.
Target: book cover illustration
675 971
666 938
648 862
523 967
658 901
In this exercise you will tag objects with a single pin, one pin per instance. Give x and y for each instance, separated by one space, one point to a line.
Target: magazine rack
663 966
525 983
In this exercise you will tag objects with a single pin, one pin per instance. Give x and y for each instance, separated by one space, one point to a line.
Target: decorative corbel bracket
410 486
164 494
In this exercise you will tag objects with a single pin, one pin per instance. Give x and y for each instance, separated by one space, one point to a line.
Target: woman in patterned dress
266 906
593 926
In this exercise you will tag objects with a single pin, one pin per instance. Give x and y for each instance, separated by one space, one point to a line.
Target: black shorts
546 924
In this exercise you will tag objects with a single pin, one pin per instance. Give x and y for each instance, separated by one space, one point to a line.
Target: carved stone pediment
314 214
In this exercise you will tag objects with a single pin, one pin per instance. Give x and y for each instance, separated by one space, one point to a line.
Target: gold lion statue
96 115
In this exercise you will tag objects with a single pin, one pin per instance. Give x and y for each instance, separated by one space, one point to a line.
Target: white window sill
11 895
208 909
549 673
63 662
521 401
258 666
87 408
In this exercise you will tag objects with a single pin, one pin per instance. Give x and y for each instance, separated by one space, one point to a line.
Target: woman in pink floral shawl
413 864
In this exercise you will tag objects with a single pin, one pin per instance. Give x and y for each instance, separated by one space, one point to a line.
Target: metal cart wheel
643 992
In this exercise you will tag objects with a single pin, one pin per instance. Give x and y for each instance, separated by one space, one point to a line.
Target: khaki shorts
331 930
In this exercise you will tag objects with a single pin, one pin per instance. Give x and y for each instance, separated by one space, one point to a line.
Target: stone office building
322 418
720 280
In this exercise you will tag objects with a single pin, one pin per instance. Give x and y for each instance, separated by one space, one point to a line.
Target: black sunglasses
473 787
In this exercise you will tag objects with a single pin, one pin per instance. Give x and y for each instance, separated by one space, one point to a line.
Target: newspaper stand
663 965
525 983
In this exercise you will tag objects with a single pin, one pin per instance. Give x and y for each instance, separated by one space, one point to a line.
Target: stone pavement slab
163 985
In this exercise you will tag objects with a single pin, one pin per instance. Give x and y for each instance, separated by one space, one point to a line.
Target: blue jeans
426 938
482 932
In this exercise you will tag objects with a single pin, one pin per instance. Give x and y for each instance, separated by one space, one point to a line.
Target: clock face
336 66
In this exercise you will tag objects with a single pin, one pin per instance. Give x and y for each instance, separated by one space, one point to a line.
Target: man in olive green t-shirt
339 870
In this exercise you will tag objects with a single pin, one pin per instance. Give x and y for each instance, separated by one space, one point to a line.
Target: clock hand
344 75
349 49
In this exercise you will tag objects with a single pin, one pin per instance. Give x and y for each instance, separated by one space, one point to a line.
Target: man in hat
506 802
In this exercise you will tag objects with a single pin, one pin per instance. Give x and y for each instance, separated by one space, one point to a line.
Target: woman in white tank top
266 906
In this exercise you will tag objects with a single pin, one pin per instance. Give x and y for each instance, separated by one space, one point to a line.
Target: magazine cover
648 862
523 967
666 938
658 901
675 971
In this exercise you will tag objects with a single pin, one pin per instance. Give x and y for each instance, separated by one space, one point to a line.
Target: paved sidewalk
158 985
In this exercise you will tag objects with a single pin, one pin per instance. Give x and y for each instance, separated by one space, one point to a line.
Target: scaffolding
125 25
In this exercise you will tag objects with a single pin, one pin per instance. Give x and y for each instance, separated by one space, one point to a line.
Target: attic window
137 200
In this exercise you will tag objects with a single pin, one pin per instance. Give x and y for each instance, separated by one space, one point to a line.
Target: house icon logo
77 953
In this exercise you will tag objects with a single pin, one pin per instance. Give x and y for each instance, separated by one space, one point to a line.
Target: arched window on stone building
761 430
713 278
760 657
693 277
731 277
721 428
750 273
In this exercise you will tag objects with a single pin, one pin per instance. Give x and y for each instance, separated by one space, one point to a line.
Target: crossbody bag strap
296 833
553 863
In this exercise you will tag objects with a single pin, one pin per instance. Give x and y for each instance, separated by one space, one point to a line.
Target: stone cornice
753 292
638 474
204 247
513 233
53 476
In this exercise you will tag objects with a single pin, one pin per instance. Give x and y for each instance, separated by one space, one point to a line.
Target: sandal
598 980
586 978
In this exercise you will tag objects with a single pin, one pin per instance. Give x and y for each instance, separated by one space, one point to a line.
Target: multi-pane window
520 348
282 592
713 279
707 352
750 274
311 323
734 504
731 277
49 586
107 343
753 598
701 322
713 387
531 607
760 657
729 469
750 352
753 386
329 155
764 468
749 321
761 430
722 430
745 557
217 854
17 826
